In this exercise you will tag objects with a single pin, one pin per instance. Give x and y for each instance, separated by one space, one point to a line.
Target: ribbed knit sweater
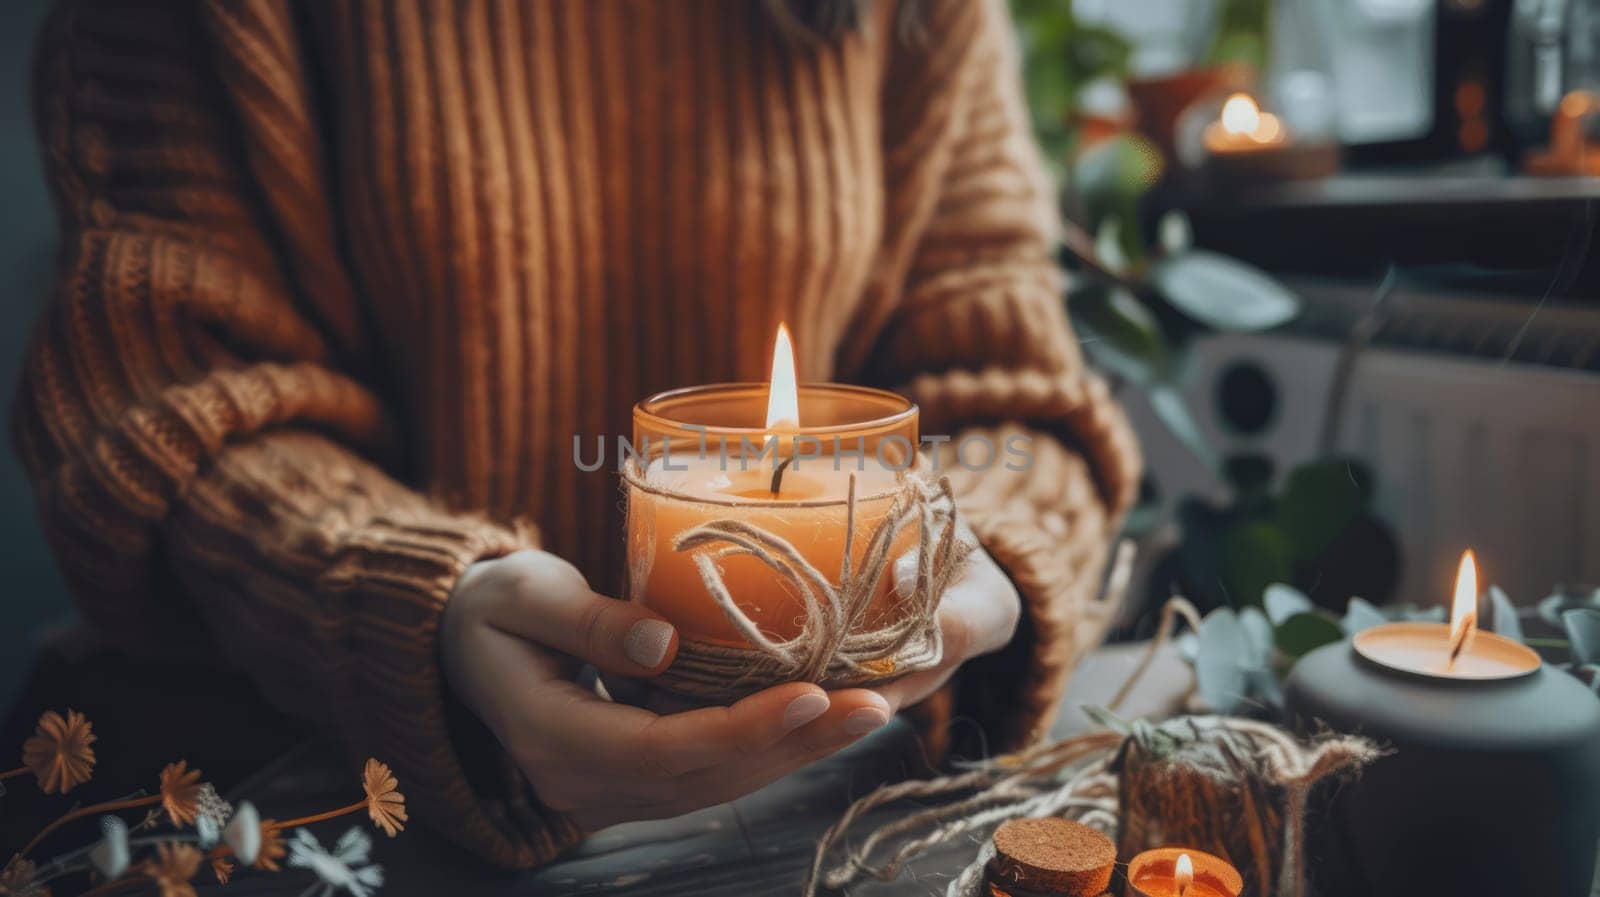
340 281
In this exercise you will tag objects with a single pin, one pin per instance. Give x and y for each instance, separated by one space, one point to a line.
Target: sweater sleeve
970 324
193 414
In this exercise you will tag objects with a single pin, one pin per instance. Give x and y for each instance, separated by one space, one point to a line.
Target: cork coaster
1052 855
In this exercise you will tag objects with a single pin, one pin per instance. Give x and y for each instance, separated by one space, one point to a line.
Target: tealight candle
1182 872
1247 144
1243 127
1492 785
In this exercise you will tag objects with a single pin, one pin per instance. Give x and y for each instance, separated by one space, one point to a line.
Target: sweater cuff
1048 528
393 580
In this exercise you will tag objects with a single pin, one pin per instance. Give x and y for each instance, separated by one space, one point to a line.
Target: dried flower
271 847
243 833
111 856
222 869
173 868
385 804
151 817
58 753
16 879
212 806
345 867
180 792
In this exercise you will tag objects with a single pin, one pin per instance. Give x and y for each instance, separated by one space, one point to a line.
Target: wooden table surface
759 845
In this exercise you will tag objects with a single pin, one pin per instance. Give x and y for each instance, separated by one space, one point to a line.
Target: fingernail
803 710
862 721
647 642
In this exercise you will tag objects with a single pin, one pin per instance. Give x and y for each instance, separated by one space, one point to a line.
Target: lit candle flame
1240 115
1242 119
1183 873
1464 609
783 395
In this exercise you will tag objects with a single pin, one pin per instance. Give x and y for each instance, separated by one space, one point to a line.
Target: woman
340 281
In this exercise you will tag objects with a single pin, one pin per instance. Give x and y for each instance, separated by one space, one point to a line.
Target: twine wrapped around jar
837 645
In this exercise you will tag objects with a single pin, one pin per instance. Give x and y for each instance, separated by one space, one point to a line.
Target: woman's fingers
635 743
852 714
544 599
978 612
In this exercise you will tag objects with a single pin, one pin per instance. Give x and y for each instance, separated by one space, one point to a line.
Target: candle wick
1459 643
777 474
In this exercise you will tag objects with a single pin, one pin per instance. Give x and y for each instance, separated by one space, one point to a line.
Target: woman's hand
517 629
977 615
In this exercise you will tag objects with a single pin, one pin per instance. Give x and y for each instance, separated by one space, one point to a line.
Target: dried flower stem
92 809
73 860
321 817
13 773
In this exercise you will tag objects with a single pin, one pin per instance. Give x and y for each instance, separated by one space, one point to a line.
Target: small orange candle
1182 872
713 452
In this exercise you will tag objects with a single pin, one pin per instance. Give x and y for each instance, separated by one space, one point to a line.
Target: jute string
836 645
1234 787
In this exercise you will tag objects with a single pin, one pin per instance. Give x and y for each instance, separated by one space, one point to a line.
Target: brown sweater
339 282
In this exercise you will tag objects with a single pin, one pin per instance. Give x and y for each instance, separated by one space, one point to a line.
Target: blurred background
1336 255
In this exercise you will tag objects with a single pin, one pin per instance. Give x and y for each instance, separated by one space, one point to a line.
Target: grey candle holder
1490 787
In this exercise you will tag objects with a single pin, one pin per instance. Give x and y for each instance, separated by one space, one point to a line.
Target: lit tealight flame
1464 609
1183 873
783 395
1241 117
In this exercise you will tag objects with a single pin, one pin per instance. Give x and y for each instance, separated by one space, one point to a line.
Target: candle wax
1424 648
809 512
1157 885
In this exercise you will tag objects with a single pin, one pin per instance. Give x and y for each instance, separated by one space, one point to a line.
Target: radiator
1502 457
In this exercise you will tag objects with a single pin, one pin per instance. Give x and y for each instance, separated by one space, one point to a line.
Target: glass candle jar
702 454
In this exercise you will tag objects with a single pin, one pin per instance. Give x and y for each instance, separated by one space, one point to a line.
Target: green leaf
1060 56
1255 554
1506 622
1360 615
1174 232
1240 33
1583 633
1105 719
1121 333
1306 632
1320 501
1110 176
1284 601
1223 293
1219 675
1108 245
1173 412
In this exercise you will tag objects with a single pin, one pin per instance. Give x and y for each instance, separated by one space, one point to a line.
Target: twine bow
836 645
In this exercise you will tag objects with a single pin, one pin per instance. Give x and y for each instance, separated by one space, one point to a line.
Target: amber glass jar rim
646 411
